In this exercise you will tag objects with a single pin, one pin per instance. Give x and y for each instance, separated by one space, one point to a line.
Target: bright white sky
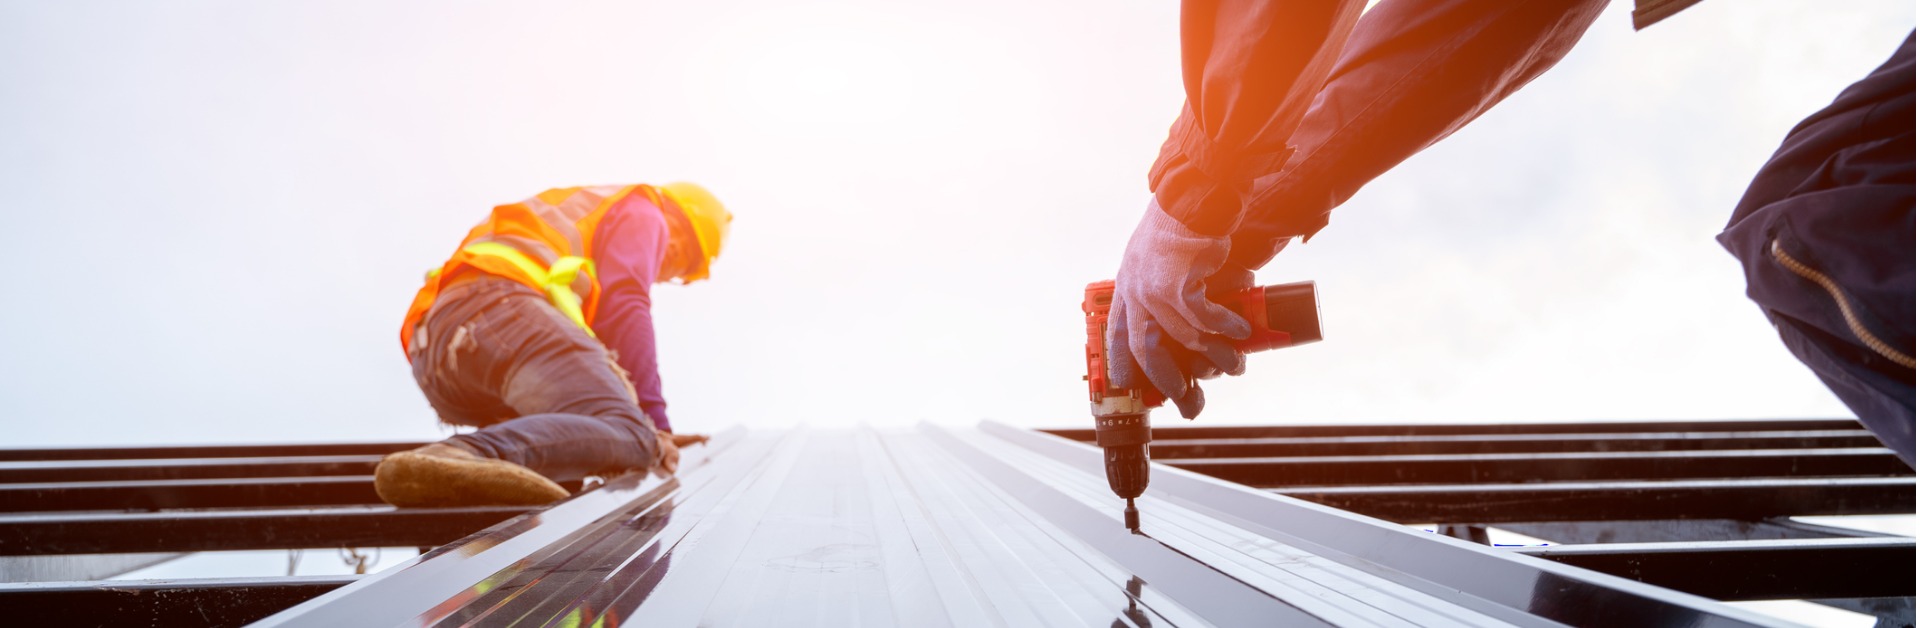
221 209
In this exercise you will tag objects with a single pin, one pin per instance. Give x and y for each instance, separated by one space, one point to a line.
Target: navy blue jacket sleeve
1250 69
1293 106
1413 72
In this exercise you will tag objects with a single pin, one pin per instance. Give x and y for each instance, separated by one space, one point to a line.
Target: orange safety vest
545 242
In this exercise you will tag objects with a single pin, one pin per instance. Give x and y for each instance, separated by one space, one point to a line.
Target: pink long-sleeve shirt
630 246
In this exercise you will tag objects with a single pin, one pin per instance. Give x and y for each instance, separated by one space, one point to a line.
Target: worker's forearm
632 236
625 324
1250 69
1414 72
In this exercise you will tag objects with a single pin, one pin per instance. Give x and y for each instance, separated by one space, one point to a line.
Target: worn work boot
445 475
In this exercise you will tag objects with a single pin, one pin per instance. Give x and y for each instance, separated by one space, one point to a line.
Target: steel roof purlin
1616 523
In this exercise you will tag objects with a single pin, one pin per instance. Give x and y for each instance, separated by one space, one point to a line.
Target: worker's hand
669 453
1162 328
670 444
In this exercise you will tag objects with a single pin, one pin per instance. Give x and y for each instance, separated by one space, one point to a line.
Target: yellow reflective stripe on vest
557 281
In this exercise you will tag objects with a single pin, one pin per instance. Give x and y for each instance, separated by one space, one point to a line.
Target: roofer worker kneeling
539 331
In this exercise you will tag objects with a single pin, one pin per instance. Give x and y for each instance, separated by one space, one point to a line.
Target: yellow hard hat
710 222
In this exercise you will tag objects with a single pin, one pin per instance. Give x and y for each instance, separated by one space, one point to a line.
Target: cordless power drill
1281 315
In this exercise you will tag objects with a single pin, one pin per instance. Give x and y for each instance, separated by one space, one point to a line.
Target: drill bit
1133 517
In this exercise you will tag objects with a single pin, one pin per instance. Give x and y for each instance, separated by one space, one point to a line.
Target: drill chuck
1127 469
1123 438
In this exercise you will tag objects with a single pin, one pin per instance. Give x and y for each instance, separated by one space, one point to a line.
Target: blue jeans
495 354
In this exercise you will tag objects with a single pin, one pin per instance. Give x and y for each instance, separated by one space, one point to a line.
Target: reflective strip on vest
557 280
552 225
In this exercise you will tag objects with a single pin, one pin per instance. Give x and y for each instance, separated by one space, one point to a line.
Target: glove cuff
1165 228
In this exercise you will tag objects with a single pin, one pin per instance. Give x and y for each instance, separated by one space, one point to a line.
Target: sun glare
855 76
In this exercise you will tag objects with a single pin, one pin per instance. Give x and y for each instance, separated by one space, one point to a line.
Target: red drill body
1281 316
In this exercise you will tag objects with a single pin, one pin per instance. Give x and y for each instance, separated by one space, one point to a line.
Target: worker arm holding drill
539 331
1292 107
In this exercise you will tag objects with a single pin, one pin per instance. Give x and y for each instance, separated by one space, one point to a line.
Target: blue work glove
1162 327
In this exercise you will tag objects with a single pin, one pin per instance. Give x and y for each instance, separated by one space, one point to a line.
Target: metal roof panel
970 526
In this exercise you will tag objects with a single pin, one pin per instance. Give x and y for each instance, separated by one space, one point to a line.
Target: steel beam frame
192 602
92 533
1595 501
183 468
1172 447
1754 570
1434 429
1678 531
1546 467
202 493
207 451
72 567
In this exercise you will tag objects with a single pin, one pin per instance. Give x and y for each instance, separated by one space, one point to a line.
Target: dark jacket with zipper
1826 236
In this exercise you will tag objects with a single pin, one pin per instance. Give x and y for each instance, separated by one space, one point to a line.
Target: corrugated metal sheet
969 526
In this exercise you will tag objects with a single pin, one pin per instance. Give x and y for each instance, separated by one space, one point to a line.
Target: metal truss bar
1595 501
207 493
1483 577
1688 530
1430 429
184 468
1755 570
205 451
22 535
1173 448
197 602
61 568
1545 467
